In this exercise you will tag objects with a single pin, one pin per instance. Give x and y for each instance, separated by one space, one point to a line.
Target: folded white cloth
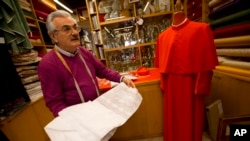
96 120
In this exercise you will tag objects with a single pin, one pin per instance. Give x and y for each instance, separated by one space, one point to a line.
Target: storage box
214 111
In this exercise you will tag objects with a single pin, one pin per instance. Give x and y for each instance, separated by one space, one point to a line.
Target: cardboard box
214 111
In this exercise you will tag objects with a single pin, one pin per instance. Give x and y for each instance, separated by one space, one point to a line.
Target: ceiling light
50 4
62 5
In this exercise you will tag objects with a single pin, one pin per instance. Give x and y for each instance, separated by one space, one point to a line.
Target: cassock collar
184 23
65 52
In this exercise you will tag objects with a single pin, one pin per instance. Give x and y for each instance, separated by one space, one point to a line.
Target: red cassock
185 56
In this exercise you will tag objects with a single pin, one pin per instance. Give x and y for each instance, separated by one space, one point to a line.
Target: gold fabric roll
234 52
240 77
236 41
232 70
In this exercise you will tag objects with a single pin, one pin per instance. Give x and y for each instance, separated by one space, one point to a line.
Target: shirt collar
64 52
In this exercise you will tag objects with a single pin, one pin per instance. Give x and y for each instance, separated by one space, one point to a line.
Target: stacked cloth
26 67
30 80
230 22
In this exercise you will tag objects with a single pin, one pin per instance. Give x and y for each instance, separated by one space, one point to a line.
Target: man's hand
128 82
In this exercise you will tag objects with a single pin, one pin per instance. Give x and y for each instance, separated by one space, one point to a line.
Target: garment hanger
179 16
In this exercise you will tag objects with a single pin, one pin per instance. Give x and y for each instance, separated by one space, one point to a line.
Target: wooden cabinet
233 90
148 119
42 112
35 18
28 124
24 127
125 33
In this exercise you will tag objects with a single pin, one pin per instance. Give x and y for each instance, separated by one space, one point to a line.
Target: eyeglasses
68 29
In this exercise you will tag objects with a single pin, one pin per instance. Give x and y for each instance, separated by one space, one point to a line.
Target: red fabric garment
183 111
190 46
185 56
237 30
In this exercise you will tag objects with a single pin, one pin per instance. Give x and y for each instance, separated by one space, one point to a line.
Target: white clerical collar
180 23
66 53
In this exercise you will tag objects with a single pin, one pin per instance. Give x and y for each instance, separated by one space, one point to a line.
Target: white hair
58 13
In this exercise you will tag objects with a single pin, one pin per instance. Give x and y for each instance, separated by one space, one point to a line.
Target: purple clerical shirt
58 85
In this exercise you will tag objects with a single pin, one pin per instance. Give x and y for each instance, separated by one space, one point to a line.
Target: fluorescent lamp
50 4
62 5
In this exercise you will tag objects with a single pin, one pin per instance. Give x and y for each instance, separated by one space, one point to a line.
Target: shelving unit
120 41
230 81
35 13
38 32
231 34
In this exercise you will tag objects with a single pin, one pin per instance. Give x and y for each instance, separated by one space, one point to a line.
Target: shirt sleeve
52 90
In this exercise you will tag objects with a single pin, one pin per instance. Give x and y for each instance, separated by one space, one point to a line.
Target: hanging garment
185 56
14 26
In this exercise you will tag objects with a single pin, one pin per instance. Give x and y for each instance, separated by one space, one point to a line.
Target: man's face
66 34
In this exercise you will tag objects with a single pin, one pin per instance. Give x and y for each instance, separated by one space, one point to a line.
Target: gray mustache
74 37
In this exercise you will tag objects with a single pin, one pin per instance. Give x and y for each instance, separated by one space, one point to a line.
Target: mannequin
186 56
179 16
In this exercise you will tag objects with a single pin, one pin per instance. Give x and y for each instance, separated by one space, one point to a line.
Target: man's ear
52 36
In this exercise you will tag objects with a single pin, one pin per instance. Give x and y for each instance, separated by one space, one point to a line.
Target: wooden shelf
125 43
157 14
37 26
120 48
147 44
131 46
116 21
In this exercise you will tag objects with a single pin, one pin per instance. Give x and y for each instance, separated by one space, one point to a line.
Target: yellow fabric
233 41
232 70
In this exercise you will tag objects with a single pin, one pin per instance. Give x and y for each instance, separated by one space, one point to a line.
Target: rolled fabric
216 3
233 23
234 52
236 41
228 9
241 16
225 61
236 30
233 70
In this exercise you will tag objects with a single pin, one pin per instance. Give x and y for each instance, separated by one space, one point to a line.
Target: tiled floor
205 138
